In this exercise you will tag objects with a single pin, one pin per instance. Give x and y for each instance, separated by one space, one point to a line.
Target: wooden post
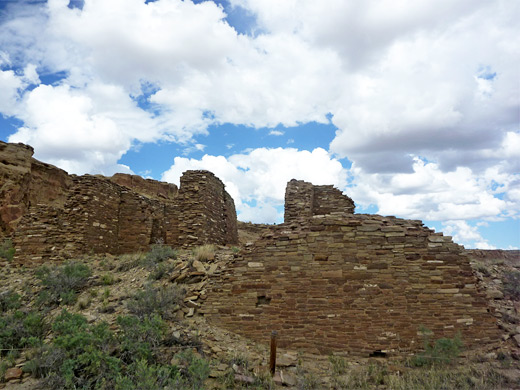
272 358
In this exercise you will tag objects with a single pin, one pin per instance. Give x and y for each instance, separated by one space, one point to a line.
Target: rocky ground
236 362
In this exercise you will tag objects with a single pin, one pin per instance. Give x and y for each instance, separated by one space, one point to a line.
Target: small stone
13 373
286 360
516 337
199 266
494 294
288 379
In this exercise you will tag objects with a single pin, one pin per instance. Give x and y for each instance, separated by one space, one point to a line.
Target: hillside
235 361
123 283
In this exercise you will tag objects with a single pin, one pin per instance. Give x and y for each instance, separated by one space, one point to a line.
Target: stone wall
207 219
50 214
303 200
352 284
150 188
25 181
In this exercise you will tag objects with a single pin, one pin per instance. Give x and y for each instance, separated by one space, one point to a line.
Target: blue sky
410 108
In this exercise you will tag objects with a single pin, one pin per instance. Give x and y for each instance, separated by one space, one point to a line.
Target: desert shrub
6 250
9 300
159 253
194 370
204 252
21 329
442 351
512 284
80 356
129 261
144 376
483 269
140 338
86 356
158 300
160 271
61 284
338 365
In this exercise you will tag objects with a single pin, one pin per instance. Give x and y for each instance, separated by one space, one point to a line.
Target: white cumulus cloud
262 175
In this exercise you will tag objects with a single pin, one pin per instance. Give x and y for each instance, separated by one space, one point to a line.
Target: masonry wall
210 218
354 284
304 200
329 281
52 215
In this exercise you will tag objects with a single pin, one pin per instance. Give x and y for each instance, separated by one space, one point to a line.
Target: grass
204 252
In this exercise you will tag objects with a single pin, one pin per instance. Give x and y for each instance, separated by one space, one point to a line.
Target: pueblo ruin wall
50 214
329 280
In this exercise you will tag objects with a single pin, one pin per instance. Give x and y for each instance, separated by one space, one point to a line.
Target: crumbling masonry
329 281
52 215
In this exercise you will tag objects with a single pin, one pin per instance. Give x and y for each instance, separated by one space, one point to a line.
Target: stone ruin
53 215
328 280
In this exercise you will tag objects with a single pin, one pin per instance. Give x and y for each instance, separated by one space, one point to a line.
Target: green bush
130 261
61 284
193 369
86 356
6 250
441 352
512 284
21 329
8 301
140 338
162 301
160 271
144 376
159 253
80 356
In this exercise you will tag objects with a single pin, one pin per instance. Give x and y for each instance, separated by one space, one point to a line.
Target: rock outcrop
329 281
50 214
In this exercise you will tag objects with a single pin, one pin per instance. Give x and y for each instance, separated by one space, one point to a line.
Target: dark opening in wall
378 353
262 300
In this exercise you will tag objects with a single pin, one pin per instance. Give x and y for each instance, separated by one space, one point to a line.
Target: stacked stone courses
51 215
351 284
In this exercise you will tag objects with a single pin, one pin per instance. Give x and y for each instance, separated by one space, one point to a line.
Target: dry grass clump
204 252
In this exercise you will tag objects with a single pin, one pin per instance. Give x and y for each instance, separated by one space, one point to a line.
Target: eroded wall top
304 200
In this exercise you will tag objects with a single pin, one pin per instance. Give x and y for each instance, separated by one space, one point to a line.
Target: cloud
466 234
82 131
261 175
431 194
437 80
276 132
